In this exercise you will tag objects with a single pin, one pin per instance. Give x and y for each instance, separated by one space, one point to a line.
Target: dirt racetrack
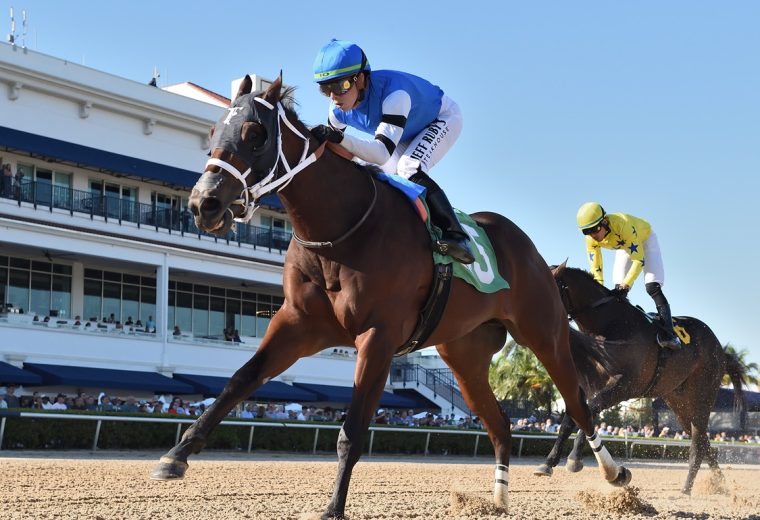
110 486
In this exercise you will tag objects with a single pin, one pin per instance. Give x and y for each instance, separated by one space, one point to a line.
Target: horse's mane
586 273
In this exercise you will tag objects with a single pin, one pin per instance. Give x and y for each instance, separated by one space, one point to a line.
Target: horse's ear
273 92
557 271
245 86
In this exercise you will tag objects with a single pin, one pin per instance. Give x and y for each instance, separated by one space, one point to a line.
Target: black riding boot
669 338
454 241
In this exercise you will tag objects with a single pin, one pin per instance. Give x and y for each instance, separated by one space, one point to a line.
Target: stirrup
456 249
671 343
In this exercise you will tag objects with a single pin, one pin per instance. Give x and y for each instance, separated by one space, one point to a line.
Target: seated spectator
227 334
112 318
105 404
11 399
46 404
248 412
158 407
90 403
79 404
380 417
129 321
130 406
150 325
550 426
177 332
60 403
138 323
193 410
236 336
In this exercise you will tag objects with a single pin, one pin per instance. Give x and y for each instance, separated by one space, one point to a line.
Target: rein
572 312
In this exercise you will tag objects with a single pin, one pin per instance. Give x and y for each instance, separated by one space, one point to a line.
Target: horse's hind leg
282 346
469 358
559 364
683 405
552 459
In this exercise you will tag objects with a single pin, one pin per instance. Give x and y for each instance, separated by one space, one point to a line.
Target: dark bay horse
618 360
357 272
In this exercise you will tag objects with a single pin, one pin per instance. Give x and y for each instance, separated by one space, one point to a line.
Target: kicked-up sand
115 485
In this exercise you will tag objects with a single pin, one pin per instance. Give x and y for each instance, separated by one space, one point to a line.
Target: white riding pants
653 268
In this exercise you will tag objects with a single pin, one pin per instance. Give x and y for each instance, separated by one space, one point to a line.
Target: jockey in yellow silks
636 250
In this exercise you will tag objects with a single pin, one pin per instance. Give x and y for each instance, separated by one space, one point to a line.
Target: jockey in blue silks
413 123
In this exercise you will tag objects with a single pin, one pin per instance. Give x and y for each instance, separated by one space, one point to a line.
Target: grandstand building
106 283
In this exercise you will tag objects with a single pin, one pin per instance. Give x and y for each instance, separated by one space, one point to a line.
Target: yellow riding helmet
589 215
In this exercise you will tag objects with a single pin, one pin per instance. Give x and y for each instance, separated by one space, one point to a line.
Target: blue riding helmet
337 59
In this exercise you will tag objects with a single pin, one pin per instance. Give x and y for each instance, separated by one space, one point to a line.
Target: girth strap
432 312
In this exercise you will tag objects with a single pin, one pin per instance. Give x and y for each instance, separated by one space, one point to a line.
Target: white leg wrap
500 486
607 466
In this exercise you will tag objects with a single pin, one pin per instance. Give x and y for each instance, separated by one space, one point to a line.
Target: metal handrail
45 195
440 381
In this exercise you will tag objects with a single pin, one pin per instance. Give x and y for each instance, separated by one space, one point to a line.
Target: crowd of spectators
298 412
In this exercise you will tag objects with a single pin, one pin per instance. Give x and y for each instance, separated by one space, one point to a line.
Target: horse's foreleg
373 363
552 459
281 347
575 458
469 358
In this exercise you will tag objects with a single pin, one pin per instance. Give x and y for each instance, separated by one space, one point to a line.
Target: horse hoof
623 477
544 470
169 470
331 515
574 465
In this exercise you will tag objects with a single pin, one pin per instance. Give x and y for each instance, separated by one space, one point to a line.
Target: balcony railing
45 195
440 381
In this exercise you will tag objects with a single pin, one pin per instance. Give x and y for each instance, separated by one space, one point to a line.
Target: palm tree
752 370
517 374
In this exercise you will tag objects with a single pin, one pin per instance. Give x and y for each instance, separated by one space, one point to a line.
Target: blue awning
101 159
343 394
11 374
99 378
212 386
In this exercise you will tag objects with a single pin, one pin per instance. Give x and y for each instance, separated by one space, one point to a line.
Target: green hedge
62 434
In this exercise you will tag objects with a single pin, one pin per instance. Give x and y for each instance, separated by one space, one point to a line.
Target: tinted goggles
592 230
338 87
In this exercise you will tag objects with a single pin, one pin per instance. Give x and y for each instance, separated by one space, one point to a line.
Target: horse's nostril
209 206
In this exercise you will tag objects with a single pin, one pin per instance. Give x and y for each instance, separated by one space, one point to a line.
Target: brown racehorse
357 273
625 361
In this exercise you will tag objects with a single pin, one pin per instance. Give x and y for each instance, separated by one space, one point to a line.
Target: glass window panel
216 316
3 285
62 269
63 179
263 317
114 277
18 288
40 295
233 294
149 282
131 278
61 295
200 289
93 273
248 322
130 305
112 300
182 286
217 291
184 311
3 260
232 314
45 267
93 299
21 263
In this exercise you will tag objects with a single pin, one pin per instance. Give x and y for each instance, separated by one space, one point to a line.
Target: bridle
276 179
250 195
572 312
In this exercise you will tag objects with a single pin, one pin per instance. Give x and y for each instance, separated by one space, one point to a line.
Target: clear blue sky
651 108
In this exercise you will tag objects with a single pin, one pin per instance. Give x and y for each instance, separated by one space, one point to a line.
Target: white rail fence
750 452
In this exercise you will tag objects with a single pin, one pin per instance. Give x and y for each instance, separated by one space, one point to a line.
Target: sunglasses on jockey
592 230
338 87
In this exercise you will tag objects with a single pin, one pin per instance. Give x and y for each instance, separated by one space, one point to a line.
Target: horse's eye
254 134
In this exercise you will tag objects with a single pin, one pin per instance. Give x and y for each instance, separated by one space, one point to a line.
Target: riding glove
327 133
620 291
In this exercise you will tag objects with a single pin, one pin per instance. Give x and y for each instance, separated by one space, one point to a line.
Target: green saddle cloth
483 273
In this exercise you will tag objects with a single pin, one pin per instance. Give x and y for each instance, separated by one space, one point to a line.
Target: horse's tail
737 372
